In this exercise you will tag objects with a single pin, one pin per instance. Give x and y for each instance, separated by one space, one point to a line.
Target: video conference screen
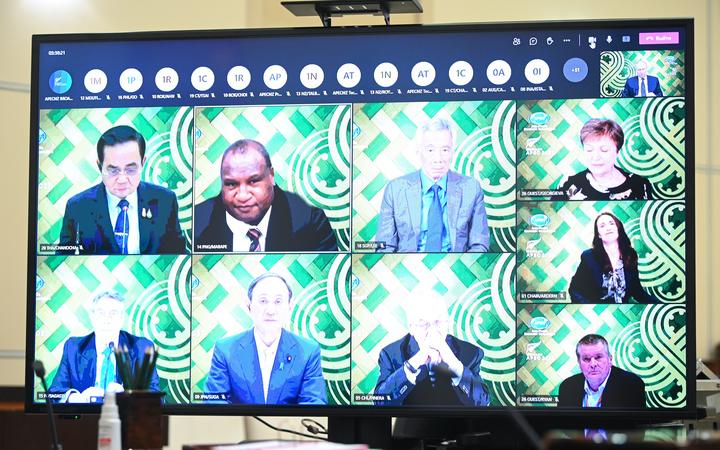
405 220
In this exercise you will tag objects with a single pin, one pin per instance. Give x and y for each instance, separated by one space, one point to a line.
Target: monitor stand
373 431
417 433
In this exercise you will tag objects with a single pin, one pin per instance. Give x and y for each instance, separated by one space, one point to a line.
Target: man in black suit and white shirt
600 384
251 214
642 84
122 215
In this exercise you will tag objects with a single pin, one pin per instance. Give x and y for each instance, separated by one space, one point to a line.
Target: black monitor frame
372 411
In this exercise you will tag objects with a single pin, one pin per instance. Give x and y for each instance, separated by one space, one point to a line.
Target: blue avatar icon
60 81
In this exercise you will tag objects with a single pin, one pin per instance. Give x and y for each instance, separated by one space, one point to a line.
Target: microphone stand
39 369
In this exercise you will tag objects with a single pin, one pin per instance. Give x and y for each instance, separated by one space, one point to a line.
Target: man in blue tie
88 365
642 84
434 209
122 215
267 364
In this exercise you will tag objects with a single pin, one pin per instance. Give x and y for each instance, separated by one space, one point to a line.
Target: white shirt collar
266 358
113 201
592 398
241 242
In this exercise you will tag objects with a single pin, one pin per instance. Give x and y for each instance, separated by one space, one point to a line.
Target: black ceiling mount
327 9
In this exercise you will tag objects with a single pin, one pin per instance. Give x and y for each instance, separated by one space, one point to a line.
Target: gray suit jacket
399 224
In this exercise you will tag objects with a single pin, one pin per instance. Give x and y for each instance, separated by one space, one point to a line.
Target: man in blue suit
267 364
433 209
88 365
642 85
121 215
428 366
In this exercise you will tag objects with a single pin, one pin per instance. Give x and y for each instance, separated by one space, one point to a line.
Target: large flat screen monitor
369 221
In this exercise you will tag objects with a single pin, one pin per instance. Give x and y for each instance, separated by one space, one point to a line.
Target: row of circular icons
312 76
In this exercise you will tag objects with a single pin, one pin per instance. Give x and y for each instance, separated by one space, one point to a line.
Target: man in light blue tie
434 209
642 85
88 365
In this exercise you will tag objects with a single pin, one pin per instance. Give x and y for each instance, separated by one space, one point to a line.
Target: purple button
669 37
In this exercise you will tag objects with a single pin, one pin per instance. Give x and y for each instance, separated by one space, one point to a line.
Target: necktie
122 226
643 87
435 223
107 370
254 235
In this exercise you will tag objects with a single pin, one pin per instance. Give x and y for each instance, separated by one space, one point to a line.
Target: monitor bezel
689 411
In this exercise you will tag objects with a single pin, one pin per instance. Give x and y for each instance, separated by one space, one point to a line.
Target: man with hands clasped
428 366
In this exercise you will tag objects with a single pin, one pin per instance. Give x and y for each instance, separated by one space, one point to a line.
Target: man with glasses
433 209
267 364
428 366
88 367
122 215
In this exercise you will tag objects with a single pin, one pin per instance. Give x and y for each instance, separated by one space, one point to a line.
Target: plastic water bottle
109 425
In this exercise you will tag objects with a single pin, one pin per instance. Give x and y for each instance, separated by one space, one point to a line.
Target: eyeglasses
108 314
116 171
424 325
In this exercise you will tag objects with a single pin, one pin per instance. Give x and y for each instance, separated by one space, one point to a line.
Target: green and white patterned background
654 141
68 157
667 65
309 147
648 340
478 290
384 148
547 259
321 312
157 296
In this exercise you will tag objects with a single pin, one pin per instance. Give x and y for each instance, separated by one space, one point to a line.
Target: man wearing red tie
642 85
252 214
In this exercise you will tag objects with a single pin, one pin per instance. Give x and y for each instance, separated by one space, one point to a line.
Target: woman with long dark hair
608 272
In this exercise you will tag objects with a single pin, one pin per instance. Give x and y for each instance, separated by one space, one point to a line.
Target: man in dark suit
267 364
121 215
642 85
428 366
600 384
433 209
88 367
251 214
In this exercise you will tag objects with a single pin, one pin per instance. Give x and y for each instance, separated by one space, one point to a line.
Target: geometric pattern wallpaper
320 311
384 148
157 307
478 290
309 147
667 65
549 147
340 158
68 157
648 340
548 255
